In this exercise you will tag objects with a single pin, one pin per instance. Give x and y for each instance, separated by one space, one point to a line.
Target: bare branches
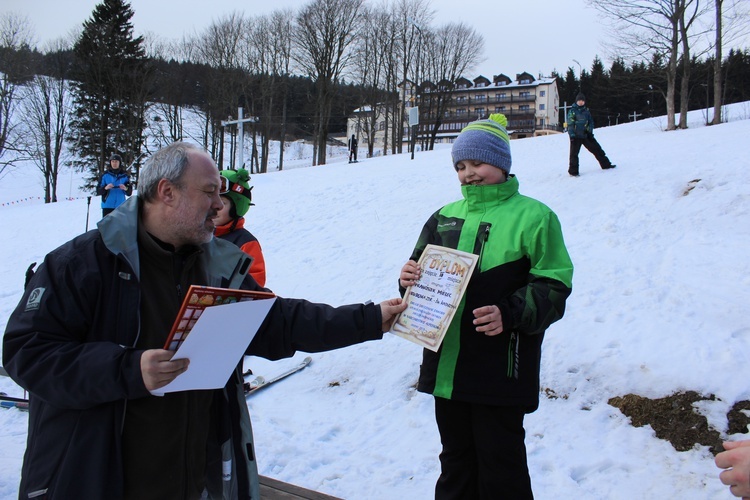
324 33
15 43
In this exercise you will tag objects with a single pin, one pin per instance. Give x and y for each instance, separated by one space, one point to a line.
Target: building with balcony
530 104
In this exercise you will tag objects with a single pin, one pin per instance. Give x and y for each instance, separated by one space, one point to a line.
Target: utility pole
239 159
414 111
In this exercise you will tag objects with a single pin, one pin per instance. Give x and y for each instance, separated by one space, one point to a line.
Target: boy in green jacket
485 376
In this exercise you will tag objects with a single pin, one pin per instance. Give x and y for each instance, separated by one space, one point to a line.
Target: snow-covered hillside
661 284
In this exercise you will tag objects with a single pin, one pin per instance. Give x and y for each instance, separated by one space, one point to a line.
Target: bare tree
643 29
268 55
375 43
451 51
16 40
45 107
412 16
324 32
731 21
282 29
690 12
219 47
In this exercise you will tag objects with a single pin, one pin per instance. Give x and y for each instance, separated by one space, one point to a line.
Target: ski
260 382
11 402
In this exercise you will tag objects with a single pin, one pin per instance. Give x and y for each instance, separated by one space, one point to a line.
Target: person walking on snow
353 142
236 194
114 185
581 131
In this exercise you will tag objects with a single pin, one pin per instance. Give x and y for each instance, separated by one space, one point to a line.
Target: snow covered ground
661 286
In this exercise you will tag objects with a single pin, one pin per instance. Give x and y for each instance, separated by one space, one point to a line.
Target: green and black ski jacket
524 269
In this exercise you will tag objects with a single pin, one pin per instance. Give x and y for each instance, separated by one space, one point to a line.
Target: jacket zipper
513 356
484 237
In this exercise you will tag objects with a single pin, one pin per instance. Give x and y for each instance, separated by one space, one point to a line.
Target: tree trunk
717 66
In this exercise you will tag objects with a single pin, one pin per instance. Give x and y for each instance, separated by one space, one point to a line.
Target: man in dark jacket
86 340
114 185
580 126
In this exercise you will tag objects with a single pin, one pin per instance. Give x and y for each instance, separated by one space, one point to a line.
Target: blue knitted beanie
486 141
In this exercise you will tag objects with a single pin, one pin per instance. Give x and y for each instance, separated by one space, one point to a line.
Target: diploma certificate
433 300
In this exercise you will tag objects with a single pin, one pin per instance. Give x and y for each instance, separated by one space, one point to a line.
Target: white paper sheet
216 344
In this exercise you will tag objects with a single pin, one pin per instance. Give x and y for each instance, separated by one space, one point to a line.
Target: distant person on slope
485 376
114 185
353 143
736 461
230 221
580 126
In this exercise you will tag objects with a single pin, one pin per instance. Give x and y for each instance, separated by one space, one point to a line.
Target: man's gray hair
168 163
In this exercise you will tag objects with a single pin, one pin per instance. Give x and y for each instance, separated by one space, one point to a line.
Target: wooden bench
273 489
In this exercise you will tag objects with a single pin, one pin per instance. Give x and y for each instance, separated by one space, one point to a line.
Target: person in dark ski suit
85 342
353 142
236 194
485 375
114 185
580 127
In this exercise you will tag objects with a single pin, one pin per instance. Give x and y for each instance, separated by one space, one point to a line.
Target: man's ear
166 192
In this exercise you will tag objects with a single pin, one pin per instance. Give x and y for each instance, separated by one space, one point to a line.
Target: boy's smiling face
477 173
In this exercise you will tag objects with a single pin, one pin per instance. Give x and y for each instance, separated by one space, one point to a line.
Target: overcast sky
537 36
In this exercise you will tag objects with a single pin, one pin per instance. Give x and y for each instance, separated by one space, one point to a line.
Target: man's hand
736 461
158 369
389 309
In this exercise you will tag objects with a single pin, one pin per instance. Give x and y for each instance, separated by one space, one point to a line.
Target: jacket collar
228 228
480 196
119 231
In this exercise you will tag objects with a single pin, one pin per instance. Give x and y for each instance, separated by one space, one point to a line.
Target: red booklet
197 299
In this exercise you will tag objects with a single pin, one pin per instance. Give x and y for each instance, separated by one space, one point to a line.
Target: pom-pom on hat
238 190
486 141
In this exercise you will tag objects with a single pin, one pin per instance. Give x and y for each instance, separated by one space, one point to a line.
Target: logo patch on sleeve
35 299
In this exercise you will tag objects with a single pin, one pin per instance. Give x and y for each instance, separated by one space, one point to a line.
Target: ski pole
88 203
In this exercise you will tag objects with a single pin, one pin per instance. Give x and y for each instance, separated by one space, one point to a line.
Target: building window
479 112
524 94
524 107
461 111
541 106
524 81
499 109
542 93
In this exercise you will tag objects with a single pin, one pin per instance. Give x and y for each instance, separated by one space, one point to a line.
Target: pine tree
111 74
